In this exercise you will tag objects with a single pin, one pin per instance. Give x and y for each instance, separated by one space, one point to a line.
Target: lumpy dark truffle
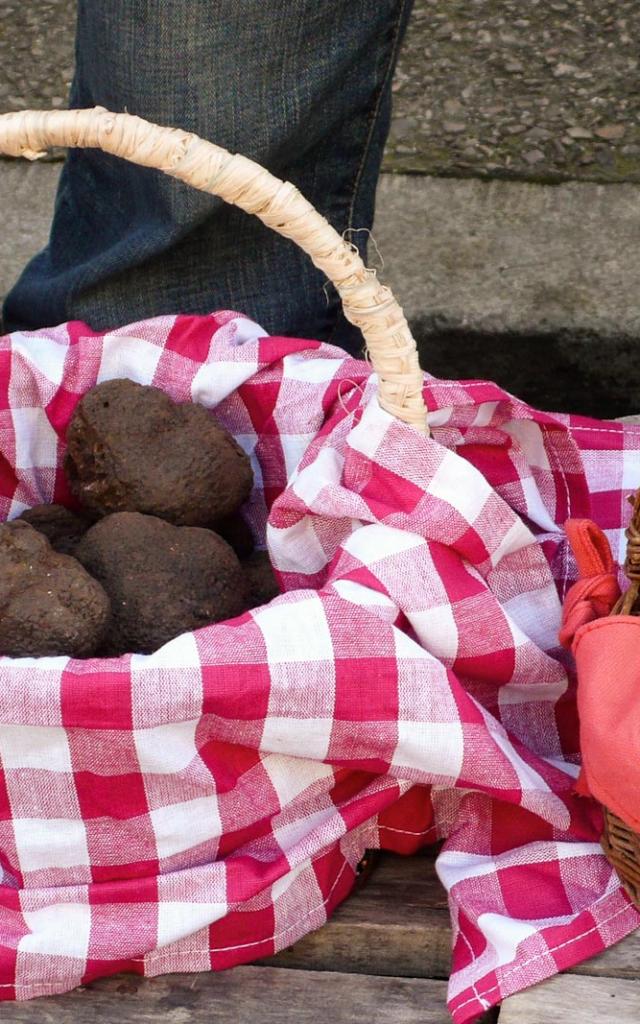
261 579
237 532
49 604
163 580
62 527
130 448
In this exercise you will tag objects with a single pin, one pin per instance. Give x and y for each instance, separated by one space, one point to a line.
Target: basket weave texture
621 844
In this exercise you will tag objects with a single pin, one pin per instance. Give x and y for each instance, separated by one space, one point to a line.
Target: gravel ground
36 52
546 90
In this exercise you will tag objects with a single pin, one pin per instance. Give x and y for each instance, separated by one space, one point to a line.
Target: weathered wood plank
397 925
567 999
619 961
242 996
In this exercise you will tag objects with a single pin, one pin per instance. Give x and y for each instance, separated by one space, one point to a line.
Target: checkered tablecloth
207 805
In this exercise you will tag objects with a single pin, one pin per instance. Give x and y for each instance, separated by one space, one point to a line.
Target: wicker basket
622 849
619 841
366 303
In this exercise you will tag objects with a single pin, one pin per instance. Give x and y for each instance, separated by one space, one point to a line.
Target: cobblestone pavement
548 90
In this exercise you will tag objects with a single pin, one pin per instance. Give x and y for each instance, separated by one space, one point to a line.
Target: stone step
533 286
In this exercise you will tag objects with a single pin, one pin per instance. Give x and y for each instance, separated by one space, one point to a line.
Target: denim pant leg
302 87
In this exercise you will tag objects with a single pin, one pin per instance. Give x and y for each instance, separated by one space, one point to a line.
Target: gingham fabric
207 805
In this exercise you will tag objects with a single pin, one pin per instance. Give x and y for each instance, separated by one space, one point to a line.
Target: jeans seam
395 45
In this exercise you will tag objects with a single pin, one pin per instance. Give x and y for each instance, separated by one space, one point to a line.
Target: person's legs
304 88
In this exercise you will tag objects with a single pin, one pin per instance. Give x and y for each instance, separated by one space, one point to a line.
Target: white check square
59 930
434 747
50 843
36 440
177 920
164 749
460 486
134 358
297 737
437 631
295 631
291 776
47 356
180 827
34 746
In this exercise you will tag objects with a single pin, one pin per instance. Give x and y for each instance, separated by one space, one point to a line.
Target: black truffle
132 449
62 528
163 580
49 604
261 580
236 531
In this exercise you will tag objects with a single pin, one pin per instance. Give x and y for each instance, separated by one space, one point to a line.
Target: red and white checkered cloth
207 805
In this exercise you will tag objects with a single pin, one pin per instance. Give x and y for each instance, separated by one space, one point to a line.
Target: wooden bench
382 959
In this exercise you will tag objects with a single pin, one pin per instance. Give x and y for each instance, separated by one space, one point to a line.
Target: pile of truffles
158 547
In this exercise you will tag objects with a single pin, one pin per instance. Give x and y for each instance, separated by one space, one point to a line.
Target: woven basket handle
367 304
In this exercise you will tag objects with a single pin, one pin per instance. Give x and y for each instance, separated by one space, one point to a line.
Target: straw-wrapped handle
367 303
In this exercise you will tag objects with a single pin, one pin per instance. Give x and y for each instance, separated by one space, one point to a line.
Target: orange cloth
597 590
607 655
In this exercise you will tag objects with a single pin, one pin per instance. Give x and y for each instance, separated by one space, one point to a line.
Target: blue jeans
302 86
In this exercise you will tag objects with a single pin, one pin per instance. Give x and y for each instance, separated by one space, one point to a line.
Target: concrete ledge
513 258
534 286
27 194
